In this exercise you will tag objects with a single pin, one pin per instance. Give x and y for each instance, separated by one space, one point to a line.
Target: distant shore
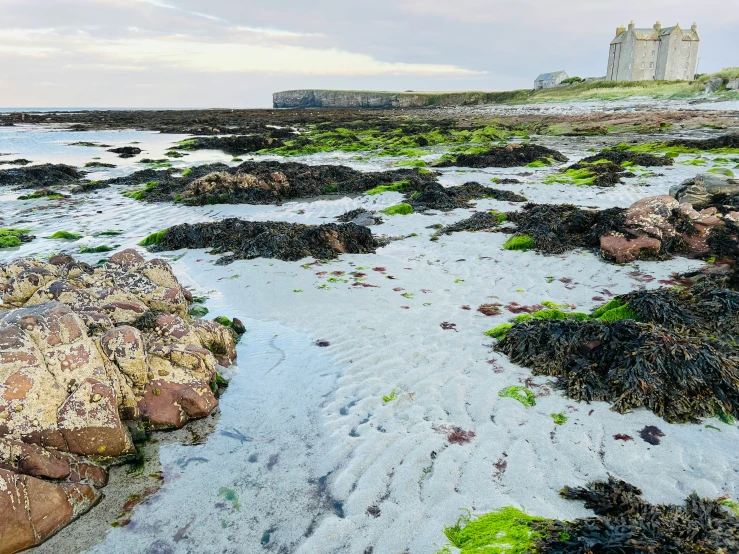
715 86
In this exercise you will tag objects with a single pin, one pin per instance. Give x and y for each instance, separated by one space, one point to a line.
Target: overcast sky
235 53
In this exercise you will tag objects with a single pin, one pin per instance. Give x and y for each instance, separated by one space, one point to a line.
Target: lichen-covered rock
622 249
82 351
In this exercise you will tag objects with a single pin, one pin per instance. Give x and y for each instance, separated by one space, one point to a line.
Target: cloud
195 56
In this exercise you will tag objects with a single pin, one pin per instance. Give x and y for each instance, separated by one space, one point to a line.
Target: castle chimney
658 26
694 27
620 30
631 25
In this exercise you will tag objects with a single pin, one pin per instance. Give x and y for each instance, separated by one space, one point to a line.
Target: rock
364 219
34 509
700 190
73 370
126 151
713 84
733 84
40 176
238 326
623 250
650 216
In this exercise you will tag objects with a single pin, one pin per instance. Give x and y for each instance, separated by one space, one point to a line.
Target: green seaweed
390 397
398 209
551 314
65 235
142 193
399 186
520 242
499 331
732 506
95 249
186 172
504 531
578 177
231 496
522 394
154 238
9 241
559 419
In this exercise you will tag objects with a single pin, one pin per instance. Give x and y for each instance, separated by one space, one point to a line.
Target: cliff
378 99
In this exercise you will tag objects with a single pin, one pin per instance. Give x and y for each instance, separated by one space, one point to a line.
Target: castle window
642 65
653 52
651 65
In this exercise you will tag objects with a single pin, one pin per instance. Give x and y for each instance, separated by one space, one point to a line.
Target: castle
659 53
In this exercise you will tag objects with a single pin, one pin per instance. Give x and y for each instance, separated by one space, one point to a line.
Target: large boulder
83 350
660 226
733 84
701 189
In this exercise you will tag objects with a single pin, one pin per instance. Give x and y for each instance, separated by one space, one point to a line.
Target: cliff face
347 99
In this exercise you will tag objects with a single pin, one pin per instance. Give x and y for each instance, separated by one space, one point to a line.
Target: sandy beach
304 454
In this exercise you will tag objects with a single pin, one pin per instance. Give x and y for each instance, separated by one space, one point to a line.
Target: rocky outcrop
661 224
40 176
347 99
712 85
84 353
733 84
705 189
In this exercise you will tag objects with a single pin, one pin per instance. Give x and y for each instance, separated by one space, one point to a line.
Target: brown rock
624 250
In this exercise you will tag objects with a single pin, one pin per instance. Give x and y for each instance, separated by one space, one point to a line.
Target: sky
236 53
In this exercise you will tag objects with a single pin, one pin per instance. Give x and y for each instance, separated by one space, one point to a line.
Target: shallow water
304 443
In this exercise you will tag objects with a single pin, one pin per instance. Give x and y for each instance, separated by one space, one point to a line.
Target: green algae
412 163
231 496
154 238
398 209
732 506
504 531
624 312
109 233
543 162
499 331
9 241
578 177
522 394
142 193
65 235
390 397
186 172
551 314
520 242
559 419
95 249
398 186
722 171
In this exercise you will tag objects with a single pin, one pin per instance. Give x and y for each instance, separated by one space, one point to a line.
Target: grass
65 235
522 394
520 242
398 186
398 209
504 531
154 238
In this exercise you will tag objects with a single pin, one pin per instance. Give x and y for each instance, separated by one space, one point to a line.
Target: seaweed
433 196
626 523
513 155
522 394
670 350
520 242
65 235
398 209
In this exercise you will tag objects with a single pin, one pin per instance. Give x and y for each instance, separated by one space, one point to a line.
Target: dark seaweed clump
618 157
555 228
236 144
437 197
626 523
40 176
284 241
673 353
724 141
513 155
277 182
